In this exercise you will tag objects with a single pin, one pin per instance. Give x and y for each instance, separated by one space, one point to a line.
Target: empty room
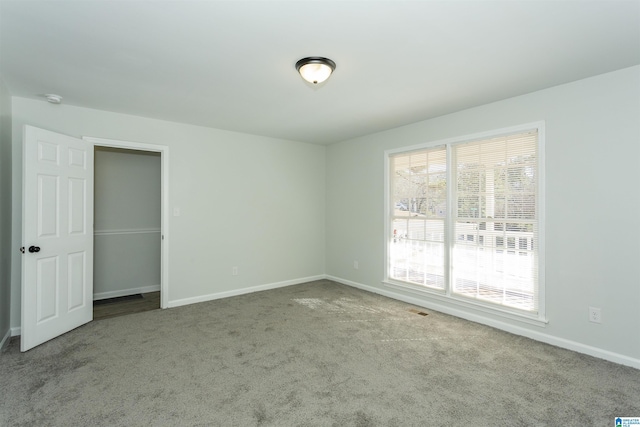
319 213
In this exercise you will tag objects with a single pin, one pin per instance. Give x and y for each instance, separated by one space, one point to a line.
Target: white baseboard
236 292
514 329
5 339
15 332
125 292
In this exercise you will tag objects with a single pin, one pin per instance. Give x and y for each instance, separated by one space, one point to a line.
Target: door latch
22 249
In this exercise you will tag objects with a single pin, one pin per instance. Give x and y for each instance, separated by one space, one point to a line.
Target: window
464 219
418 219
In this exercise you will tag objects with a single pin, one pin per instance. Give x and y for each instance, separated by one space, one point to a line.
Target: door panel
48 207
48 152
77 205
47 282
77 279
57 278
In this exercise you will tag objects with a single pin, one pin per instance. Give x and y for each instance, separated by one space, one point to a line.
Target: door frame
164 201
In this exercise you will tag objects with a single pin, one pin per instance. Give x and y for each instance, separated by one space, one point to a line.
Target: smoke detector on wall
53 98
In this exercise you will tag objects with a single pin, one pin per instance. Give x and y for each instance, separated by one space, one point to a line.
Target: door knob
33 249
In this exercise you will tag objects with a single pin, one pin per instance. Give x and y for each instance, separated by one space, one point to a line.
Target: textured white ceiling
230 64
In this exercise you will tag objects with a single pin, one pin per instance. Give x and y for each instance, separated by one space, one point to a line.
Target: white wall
247 201
127 207
5 212
592 206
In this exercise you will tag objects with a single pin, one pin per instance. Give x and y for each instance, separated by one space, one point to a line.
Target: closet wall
126 222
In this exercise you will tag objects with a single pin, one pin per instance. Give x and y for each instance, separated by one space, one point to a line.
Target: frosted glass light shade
315 73
315 69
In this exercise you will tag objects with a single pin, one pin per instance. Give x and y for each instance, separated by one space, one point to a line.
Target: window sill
437 296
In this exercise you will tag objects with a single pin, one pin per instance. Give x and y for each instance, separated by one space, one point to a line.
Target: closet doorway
128 231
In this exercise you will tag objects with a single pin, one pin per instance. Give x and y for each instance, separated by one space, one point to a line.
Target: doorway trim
164 201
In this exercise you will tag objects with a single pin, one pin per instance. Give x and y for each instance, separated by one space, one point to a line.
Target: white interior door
57 234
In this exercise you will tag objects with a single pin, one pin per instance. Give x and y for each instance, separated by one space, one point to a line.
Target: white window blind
418 210
486 247
495 223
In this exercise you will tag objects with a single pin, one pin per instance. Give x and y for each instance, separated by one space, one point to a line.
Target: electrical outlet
234 271
356 265
595 315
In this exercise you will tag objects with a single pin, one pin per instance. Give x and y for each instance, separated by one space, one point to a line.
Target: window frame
447 296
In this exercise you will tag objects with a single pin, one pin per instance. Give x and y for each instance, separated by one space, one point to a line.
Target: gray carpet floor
317 354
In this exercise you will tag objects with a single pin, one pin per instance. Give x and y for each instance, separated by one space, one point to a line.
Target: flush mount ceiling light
315 69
